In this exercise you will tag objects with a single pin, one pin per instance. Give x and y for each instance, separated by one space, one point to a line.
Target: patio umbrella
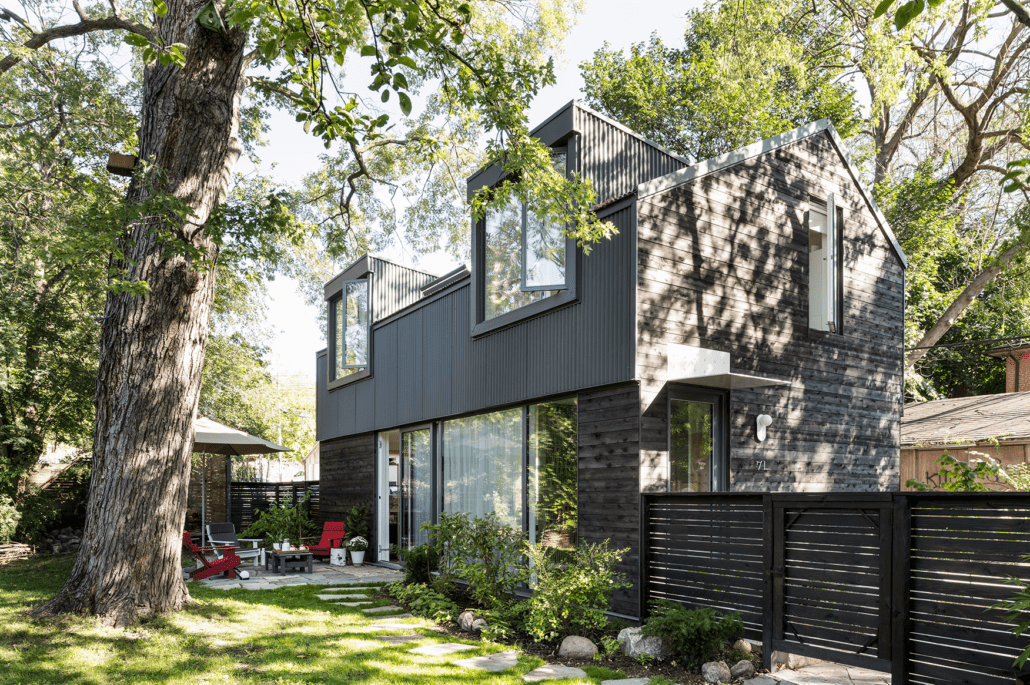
211 437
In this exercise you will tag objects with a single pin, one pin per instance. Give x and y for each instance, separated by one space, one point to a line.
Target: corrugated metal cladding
396 287
426 365
616 160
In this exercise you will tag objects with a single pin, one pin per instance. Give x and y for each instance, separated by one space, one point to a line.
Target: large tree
155 322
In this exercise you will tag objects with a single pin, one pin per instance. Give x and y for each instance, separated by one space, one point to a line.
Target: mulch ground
620 662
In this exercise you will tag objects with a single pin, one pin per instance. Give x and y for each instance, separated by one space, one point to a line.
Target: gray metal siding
396 287
426 365
615 160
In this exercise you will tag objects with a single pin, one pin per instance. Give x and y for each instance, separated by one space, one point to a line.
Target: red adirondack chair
227 564
333 535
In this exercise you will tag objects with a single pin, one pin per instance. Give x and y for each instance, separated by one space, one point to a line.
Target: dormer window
524 259
349 322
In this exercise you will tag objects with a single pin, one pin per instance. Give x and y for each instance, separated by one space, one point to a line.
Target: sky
292 154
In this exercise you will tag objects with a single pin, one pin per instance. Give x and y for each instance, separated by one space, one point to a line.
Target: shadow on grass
282 636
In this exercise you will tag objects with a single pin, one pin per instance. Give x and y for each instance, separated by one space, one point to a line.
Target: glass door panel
416 485
691 446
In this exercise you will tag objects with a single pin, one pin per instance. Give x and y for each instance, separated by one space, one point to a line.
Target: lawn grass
284 636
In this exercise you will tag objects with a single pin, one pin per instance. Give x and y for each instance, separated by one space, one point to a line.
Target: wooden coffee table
283 561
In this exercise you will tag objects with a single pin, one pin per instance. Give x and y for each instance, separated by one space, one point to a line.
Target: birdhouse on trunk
122 165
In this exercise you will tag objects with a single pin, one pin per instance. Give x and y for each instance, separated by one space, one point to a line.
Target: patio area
322 574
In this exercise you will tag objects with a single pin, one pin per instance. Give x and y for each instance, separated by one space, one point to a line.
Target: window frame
834 238
569 295
720 400
524 241
334 292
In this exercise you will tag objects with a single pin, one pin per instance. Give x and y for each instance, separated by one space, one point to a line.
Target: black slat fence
246 498
896 582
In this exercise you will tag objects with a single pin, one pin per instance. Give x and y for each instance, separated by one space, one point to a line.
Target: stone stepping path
352 604
627 681
491 662
442 649
380 610
552 672
393 626
399 639
332 597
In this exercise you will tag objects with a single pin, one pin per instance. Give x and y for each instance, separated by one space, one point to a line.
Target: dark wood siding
347 478
723 264
609 480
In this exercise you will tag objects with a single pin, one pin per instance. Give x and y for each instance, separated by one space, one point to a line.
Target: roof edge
709 166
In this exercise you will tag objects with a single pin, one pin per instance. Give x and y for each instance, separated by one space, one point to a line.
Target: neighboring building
997 426
553 387
310 464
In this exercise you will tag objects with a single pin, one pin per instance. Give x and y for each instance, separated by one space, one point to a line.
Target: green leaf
882 8
399 82
368 51
307 126
137 40
407 61
405 103
410 20
160 7
386 95
909 11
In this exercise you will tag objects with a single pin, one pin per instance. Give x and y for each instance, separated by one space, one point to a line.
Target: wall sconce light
762 422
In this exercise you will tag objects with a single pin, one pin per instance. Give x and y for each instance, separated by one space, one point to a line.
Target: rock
716 672
634 644
792 661
762 680
742 669
465 621
56 549
575 647
479 624
742 645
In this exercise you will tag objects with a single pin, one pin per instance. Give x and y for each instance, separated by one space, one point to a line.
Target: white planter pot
357 558
338 556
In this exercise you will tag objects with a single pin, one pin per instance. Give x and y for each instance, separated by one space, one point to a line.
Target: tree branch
1022 15
42 38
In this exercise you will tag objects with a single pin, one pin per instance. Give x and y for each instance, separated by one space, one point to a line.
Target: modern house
995 426
742 331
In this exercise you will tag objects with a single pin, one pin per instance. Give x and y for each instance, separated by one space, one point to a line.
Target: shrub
483 552
425 601
571 597
693 634
279 522
9 517
419 564
503 623
37 511
356 522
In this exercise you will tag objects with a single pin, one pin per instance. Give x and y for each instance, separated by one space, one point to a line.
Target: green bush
419 564
571 597
356 522
38 510
9 517
483 552
503 623
279 522
425 601
693 634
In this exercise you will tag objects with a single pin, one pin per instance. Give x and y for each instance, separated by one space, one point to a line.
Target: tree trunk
152 347
961 303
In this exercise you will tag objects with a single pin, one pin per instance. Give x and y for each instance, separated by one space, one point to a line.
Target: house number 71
760 465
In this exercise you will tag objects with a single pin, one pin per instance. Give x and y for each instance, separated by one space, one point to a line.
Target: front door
697 441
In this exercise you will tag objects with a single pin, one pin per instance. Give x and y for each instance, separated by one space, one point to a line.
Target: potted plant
357 546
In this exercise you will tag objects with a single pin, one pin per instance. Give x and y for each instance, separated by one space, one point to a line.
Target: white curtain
482 466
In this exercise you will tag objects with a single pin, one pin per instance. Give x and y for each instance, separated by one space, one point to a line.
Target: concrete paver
442 649
380 610
554 672
500 661
399 639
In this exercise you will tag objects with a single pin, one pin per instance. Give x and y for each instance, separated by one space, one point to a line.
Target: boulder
479 624
465 621
575 647
742 669
634 644
716 672
742 645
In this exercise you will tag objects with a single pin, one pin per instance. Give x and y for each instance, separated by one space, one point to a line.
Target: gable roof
967 419
709 166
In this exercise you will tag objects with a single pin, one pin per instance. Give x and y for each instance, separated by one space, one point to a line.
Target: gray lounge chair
224 535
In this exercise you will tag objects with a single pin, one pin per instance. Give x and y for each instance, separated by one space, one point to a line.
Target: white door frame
382 498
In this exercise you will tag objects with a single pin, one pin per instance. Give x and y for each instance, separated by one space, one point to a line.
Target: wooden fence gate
905 583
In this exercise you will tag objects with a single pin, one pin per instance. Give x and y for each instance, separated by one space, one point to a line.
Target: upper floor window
349 321
525 257
825 289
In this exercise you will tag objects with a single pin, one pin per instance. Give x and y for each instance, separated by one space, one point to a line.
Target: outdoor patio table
281 561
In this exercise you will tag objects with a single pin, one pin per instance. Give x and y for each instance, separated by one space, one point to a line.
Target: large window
525 256
825 290
349 323
518 463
